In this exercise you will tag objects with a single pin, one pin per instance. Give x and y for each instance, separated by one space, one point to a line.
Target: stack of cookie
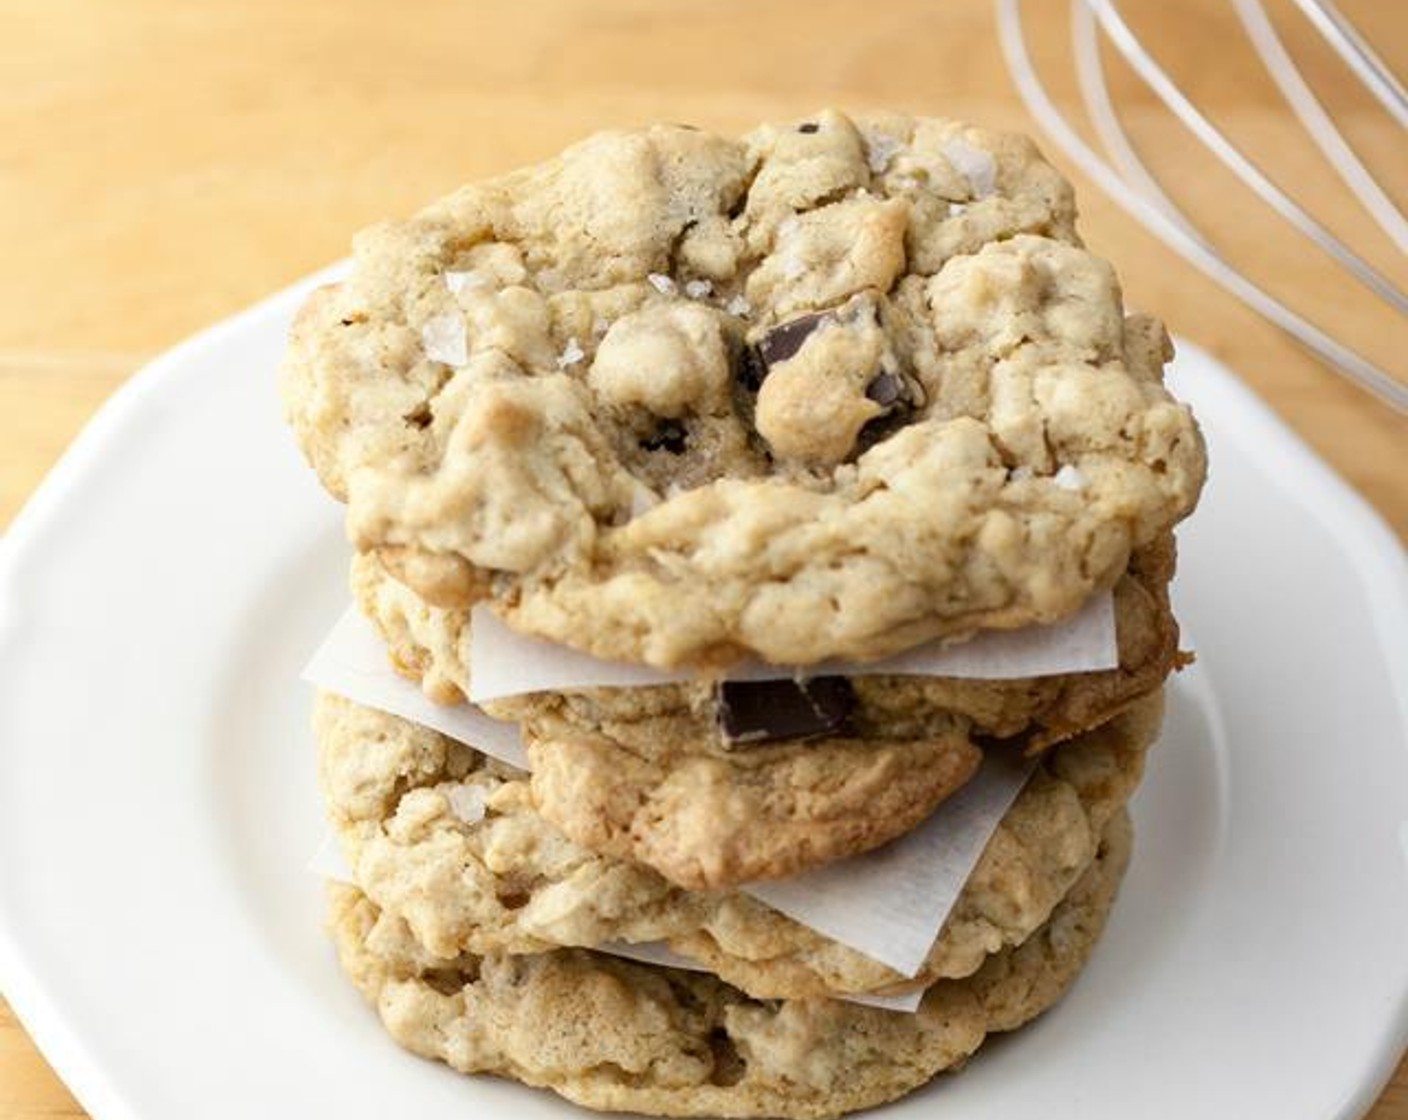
808 400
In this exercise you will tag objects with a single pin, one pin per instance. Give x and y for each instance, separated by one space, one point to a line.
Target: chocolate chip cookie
832 390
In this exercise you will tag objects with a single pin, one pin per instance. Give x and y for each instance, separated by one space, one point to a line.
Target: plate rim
1372 549
59 1040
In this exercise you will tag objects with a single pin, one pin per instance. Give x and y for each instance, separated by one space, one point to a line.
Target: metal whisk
1130 182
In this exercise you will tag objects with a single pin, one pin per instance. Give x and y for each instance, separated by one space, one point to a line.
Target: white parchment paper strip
328 862
889 904
352 662
506 663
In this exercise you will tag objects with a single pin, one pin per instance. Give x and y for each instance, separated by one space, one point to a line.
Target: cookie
450 842
704 818
833 390
430 644
615 1035
650 775
650 790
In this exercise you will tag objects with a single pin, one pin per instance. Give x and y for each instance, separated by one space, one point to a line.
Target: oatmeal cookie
829 391
615 1035
430 644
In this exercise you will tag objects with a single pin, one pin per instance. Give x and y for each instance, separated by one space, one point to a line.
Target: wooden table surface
166 162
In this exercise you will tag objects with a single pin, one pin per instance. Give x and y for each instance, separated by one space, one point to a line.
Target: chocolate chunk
669 436
886 389
880 428
767 711
809 127
782 342
751 370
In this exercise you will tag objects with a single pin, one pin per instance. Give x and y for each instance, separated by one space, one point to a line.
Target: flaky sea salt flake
572 353
467 803
739 306
444 340
459 281
974 164
1069 478
662 283
880 149
698 289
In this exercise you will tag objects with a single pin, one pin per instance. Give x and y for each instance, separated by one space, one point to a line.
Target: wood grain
168 161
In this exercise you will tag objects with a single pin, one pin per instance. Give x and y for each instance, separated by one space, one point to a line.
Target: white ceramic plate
159 935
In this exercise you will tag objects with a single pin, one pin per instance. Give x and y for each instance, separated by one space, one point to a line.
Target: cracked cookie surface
832 390
615 1035
451 842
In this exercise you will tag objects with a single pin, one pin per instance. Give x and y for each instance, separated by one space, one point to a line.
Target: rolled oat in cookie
829 391
615 1035
452 843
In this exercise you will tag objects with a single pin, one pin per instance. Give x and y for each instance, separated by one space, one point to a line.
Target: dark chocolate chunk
751 370
882 427
782 342
886 389
669 436
809 127
767 711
